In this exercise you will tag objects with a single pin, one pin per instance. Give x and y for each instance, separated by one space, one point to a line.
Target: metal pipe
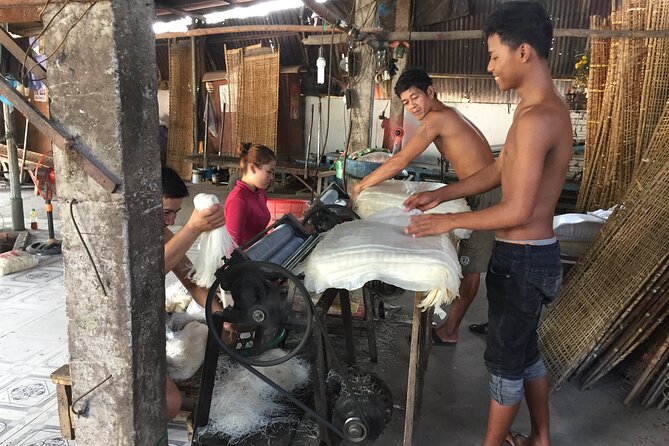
25 150
308 152
18 223
194 91
371 101
206 131
220 138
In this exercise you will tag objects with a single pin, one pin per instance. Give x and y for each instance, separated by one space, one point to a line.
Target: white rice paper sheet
392 193
353 253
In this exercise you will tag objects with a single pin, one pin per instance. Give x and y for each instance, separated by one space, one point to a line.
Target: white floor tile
22 348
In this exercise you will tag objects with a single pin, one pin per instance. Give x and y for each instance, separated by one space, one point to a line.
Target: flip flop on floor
512 438
436 340
481 328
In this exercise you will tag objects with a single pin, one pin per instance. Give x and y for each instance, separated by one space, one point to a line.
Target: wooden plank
413 370
8 42
245 29
20 14
62 375
368 300
64 398
473 34
347 321
81 155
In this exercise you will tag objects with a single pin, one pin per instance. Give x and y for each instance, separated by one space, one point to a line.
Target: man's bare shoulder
444 118
542 118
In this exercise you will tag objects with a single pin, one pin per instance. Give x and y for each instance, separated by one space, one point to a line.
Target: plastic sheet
353 253
185 350
393 193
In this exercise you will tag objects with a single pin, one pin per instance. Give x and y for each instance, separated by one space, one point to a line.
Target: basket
278 207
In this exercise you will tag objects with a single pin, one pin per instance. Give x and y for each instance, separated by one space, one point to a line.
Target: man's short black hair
173 185
413 77
521 22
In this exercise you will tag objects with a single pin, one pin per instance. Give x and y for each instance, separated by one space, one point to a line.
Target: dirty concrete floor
455 396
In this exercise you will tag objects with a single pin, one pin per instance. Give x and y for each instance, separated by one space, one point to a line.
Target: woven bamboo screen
636 86
180 135
617 295
655 91
254 96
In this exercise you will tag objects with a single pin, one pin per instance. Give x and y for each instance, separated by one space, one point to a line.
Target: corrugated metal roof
470 56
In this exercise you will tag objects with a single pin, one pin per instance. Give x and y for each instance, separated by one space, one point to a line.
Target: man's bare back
456 138
458 141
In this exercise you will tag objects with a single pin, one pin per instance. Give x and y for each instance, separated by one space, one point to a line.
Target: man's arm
484 180
177 245
181 270
425 135
523 176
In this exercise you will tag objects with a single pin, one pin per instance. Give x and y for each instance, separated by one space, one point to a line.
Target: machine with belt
263 279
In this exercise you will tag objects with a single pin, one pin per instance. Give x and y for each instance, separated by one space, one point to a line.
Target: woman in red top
246 212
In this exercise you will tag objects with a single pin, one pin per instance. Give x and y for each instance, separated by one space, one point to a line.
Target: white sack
13 261
185 350
214 246
393 193
353 253
177 298
576 227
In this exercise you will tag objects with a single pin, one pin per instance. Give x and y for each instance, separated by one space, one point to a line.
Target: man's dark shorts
521 278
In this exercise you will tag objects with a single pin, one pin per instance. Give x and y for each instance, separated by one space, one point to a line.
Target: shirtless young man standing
524 271
465 147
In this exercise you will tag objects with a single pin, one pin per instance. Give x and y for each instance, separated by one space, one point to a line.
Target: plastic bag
353 253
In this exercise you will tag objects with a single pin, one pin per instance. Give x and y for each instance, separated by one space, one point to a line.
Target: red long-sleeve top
246 212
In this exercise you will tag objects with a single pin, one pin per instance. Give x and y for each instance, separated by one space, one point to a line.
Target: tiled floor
33 343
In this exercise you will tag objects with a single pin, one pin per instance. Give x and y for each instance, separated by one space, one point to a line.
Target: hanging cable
62 41
81 237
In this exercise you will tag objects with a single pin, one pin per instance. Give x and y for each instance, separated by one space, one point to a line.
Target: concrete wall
493 120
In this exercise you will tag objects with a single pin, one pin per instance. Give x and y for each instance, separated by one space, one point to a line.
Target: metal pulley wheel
266 296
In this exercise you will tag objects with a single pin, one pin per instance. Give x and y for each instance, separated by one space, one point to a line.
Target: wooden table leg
347 321
369 322
320 372
417 357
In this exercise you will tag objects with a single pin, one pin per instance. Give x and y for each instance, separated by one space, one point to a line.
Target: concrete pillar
102 82
402 23
18 223
362 93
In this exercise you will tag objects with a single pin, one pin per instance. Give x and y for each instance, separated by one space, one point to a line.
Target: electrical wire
64 38
41 33
81 237
80 412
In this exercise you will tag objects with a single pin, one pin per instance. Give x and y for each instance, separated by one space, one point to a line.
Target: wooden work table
297 171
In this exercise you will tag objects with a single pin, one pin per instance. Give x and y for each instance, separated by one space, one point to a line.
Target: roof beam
173 10
19 14
478 34
253 29
10 44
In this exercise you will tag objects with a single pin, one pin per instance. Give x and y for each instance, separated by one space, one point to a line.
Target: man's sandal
512 438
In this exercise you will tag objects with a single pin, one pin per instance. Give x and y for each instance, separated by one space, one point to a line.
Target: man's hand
355 191
206 220
423 201
430 224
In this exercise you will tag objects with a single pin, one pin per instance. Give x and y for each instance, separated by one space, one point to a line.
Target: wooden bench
61 378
